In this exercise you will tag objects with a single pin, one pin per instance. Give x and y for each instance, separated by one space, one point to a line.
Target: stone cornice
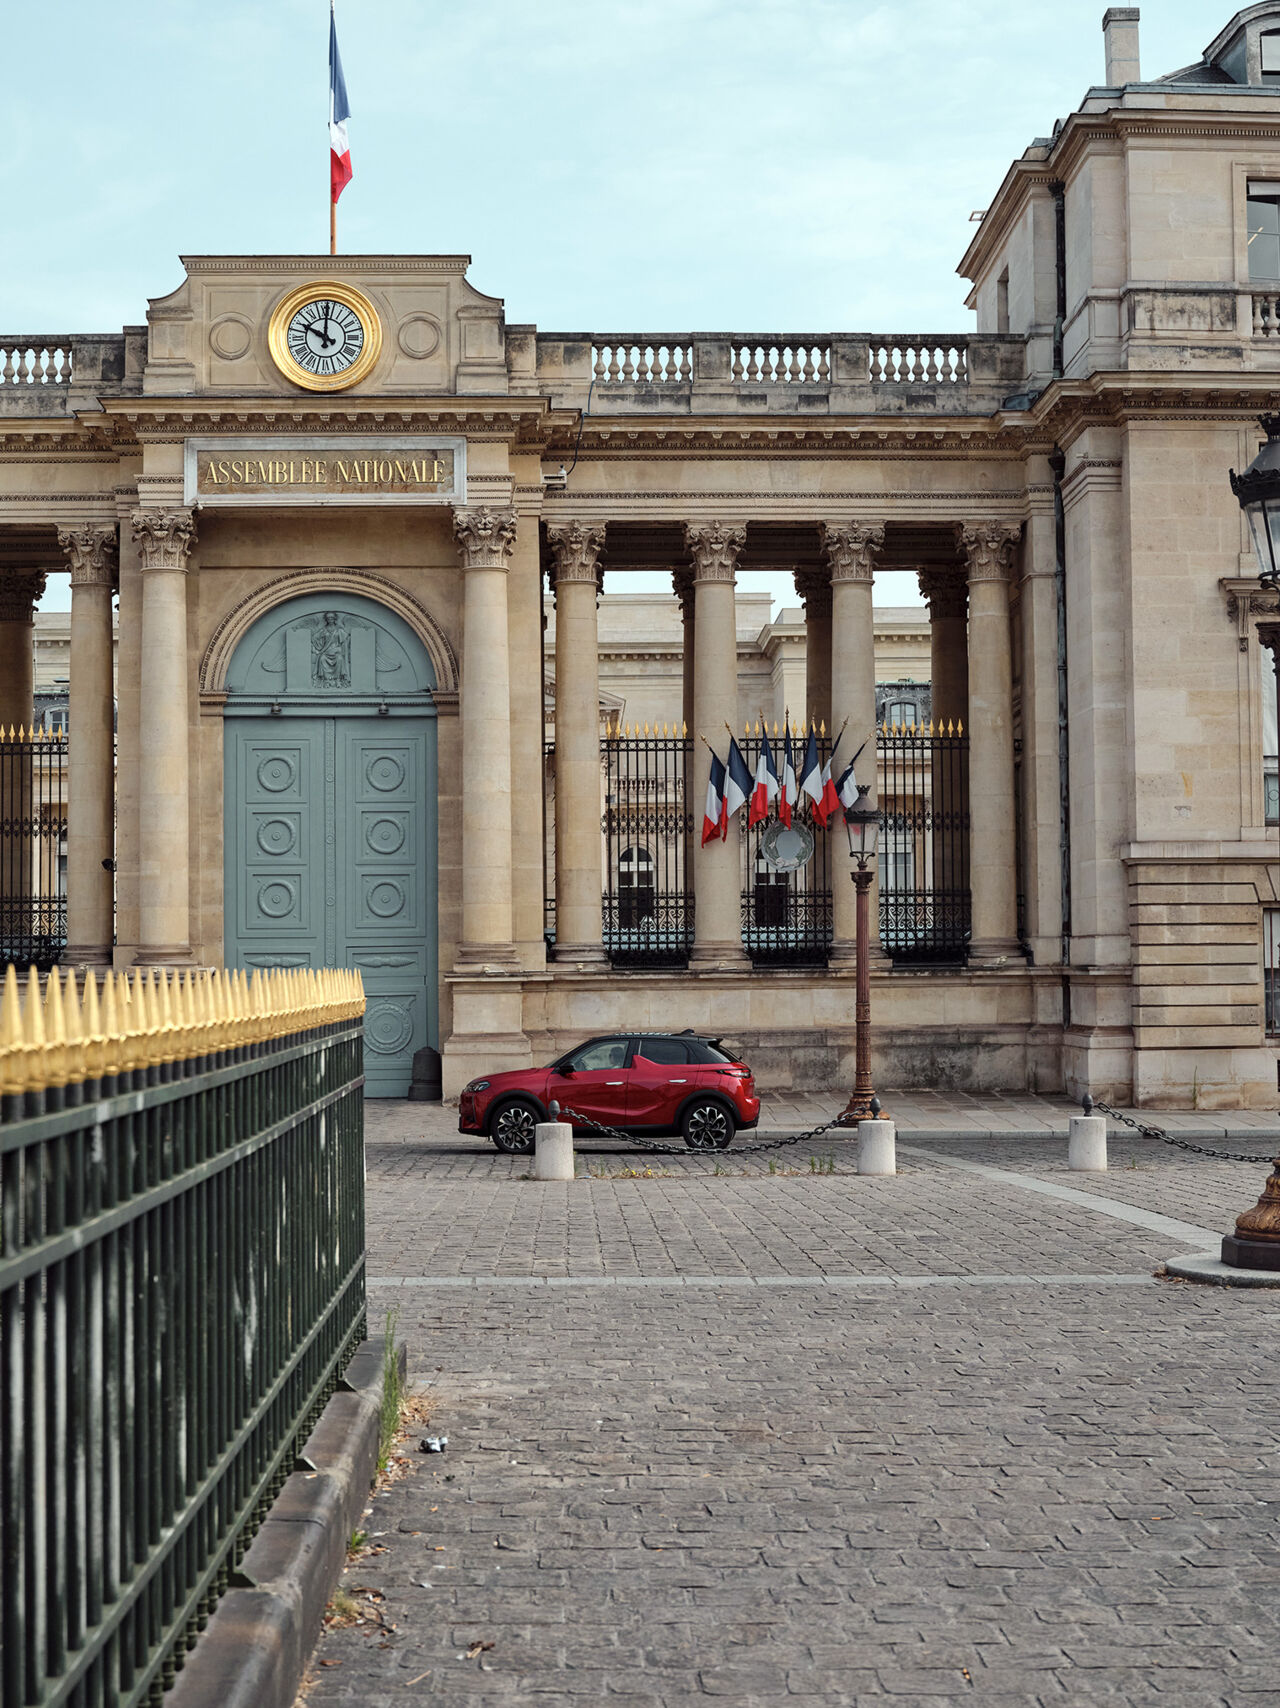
328 266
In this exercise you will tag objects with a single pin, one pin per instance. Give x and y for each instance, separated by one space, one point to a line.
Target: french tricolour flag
339 113
737 787
715 820
765 789
787 796
811 779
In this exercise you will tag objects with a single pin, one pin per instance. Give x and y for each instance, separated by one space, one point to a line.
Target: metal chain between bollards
1148 1132
576 1117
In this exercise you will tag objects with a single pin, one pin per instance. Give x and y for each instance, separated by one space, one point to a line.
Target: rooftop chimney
1120 33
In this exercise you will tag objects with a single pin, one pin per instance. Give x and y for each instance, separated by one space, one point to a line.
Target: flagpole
333 206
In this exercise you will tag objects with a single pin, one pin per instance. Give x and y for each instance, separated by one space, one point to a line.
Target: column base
718 958
488 1034
584 957
992 955
499 958
164 955
91 955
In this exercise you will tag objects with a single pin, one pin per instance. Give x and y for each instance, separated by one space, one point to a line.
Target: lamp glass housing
862 827
1258 492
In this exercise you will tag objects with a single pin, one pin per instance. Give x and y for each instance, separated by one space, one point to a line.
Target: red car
645 1083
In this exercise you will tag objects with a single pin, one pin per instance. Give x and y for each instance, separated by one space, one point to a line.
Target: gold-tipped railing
55 1033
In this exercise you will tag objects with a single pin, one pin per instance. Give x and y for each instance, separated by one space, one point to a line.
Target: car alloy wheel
513 1129
707 1126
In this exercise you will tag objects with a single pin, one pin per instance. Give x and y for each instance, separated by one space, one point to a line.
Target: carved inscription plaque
339 470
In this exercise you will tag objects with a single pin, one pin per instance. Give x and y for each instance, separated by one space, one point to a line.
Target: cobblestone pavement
816 1438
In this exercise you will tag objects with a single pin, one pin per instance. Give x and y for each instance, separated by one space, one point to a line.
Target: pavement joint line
1190 1232
891 1281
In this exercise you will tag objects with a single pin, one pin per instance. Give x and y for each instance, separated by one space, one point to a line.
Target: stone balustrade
43 359
57 373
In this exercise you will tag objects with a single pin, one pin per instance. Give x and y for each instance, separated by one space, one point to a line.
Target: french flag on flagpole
737 788
765 790
787 793
339 113
811 779
715 821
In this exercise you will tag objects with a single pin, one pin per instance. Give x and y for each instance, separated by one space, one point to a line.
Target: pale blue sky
620 166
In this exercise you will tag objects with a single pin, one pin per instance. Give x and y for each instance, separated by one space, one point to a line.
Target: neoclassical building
337 498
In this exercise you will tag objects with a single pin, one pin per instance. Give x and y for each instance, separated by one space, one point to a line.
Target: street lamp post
1255 1244
862 825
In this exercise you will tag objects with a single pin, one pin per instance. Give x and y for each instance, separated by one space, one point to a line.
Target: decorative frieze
575 552
851 548
988 549
486 538
93 555
19 591
165 537
715 548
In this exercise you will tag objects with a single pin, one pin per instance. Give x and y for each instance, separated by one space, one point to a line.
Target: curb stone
255 1648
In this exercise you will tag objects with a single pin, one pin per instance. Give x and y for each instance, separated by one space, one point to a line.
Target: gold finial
13 1038
822 728
959 726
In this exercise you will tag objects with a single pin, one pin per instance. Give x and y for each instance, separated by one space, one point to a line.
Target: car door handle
615 1082
677 1082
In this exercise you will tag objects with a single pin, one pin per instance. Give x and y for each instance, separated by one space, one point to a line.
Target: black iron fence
649 822
33 833
181 1285
924 844
648 830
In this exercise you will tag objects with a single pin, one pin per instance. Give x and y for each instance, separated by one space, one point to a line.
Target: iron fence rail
33 829
181 1284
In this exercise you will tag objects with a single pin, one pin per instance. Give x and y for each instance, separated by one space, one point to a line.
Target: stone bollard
1087 1141
877 1147
553 1149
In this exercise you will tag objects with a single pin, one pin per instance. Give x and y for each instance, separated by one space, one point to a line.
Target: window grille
1271 970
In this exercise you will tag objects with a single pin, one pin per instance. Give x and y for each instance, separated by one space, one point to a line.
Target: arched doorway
330 812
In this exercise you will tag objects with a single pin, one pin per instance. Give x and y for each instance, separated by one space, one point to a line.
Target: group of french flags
731 786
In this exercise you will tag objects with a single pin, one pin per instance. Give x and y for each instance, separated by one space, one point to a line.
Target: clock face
324 336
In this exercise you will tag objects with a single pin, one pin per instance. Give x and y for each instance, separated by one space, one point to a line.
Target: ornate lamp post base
858 1108
1256 1241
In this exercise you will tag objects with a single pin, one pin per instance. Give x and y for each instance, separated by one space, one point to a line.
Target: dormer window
1269 56
1263 210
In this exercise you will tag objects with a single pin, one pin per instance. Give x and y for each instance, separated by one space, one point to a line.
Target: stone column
714 549
19 592
165 538
814 588
682 586
575 552
988 549
850 549
486 539
947 599
91 747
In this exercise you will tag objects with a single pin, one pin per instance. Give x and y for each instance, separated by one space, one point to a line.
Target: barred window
1271 970
1270 741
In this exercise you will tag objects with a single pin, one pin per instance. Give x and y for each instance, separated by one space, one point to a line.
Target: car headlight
477 1085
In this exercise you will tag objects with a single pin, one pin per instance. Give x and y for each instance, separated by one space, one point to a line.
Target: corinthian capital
682 587
92 553
944 592
575 551
988 548
851 549
19 591
814 588
165 536
486 538
715 548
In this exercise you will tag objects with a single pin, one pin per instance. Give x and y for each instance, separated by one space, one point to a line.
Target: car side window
604 1053
701 1051
664 1052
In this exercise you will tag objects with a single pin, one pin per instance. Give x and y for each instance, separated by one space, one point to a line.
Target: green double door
330 828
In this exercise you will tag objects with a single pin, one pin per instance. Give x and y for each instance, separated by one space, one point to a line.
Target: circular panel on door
277 773
385 898
277 898
384 773
277 836
385 835
388 1026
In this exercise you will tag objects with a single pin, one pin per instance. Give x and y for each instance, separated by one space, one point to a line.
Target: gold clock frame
360 306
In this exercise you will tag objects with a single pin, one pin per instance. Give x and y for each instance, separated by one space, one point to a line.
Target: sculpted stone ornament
814 587
715 548
166 537
851 549
988 548
19 591
945 593
682 587
92 553
330 652
575 550
486 538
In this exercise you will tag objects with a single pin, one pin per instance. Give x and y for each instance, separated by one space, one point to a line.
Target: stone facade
1057 477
